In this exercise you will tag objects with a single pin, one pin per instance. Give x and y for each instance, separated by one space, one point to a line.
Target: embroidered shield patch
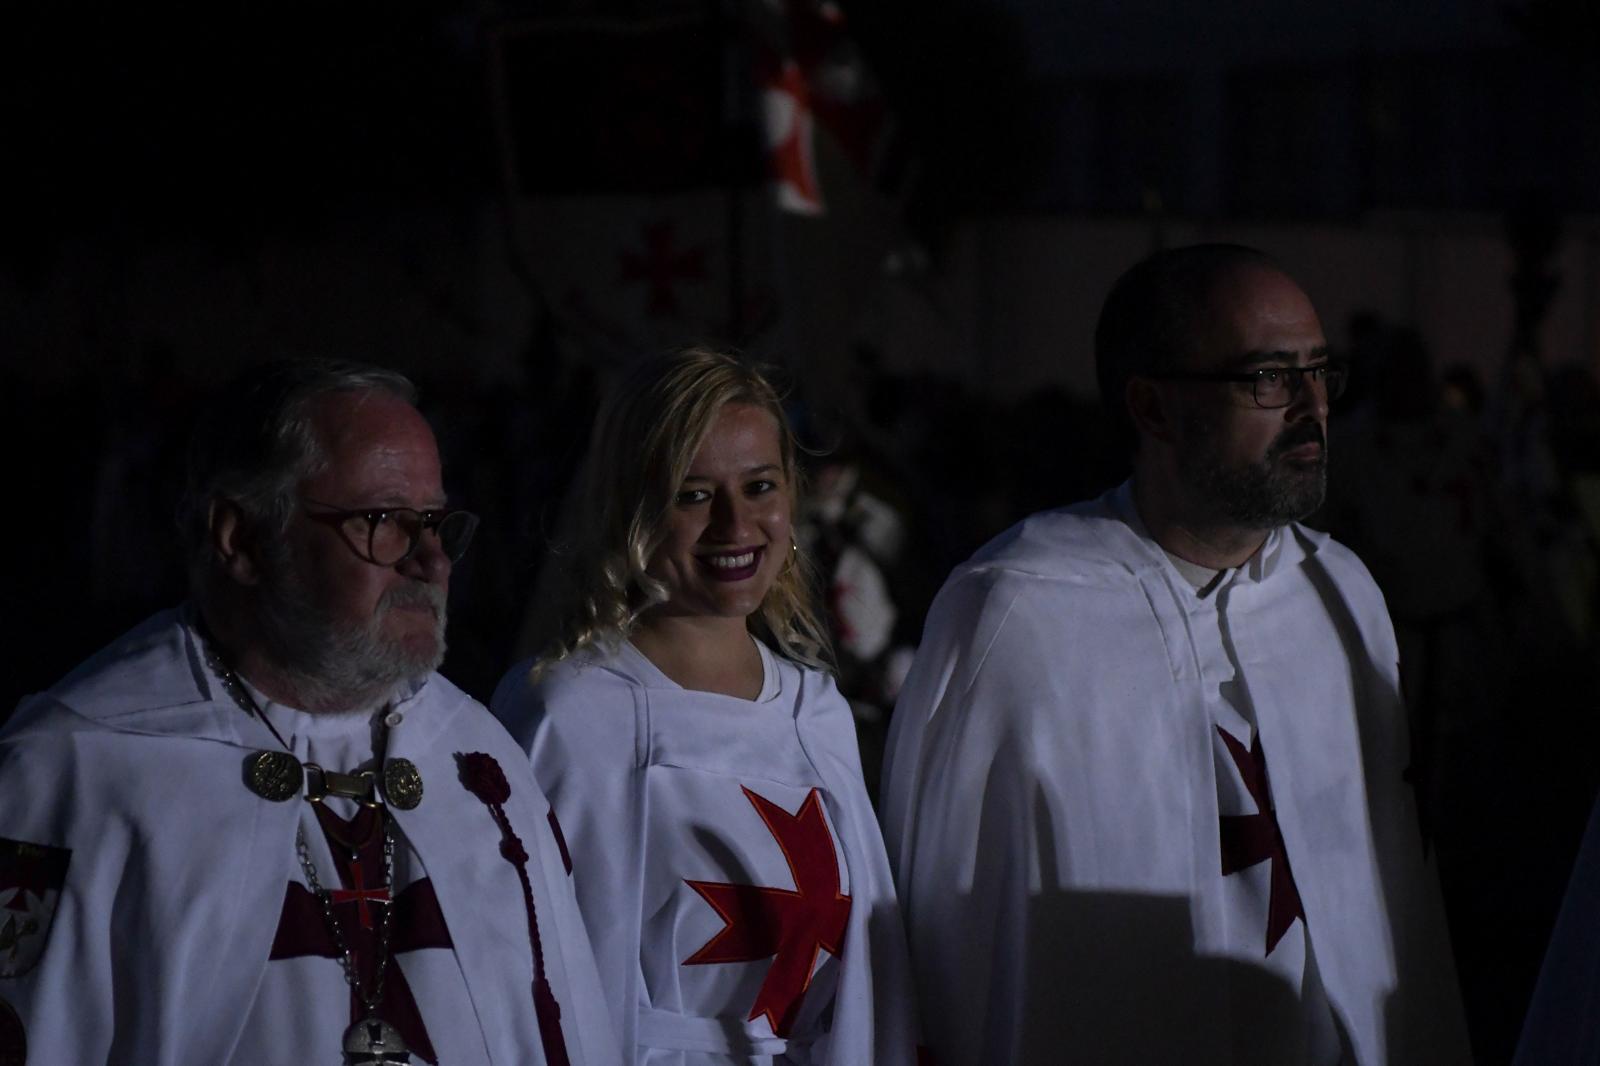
31 876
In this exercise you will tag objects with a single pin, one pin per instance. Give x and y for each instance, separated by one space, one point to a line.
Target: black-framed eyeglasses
1274 386
388 536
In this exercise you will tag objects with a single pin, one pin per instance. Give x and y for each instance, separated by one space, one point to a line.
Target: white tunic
1258 888
714 839
310 987
156 948
1053 809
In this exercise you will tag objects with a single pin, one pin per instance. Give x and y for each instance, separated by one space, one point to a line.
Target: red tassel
483 777
548 1012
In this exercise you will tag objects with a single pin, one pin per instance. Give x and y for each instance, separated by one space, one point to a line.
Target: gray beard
1263 495
336 665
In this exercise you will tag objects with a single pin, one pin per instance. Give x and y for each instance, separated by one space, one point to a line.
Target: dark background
508 201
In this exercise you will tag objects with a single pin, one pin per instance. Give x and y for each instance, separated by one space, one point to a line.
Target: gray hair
255 442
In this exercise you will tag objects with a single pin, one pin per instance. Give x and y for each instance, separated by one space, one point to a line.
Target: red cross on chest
417 922
360 894
788 926
1249 839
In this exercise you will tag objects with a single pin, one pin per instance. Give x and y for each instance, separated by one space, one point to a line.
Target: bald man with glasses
1144 792
260 828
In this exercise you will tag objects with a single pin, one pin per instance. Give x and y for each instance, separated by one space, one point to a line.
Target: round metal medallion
274 775
375 1041
13 1038
402 784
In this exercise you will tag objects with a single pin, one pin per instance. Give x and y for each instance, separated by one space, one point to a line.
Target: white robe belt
667 1031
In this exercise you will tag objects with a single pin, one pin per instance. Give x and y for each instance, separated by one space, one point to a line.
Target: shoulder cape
175 881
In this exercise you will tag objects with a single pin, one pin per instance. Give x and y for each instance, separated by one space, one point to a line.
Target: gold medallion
402 784
273 775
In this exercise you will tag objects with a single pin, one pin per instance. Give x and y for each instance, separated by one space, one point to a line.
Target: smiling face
342 623
727 532
1254 467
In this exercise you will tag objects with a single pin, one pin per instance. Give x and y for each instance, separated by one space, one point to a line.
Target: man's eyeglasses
388 536
1274 386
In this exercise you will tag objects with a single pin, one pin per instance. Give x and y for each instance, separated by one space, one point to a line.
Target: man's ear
1151 409
231 542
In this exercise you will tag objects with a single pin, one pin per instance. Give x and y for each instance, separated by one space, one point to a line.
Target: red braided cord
482 776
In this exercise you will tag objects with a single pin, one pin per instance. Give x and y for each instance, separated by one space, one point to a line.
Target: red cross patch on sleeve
31 876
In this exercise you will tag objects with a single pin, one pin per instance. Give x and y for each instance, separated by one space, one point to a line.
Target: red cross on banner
787 103
662 266
1253 838
813 76
790 927
417 923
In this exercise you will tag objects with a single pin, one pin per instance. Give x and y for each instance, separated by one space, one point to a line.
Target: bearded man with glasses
1144 794
260 828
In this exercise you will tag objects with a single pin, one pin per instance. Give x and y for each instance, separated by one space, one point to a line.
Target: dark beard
1262 495
337 665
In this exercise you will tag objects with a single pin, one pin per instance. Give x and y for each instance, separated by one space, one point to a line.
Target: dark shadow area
1112 978
1471 517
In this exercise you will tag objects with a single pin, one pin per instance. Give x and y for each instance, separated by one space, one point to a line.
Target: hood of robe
1104 540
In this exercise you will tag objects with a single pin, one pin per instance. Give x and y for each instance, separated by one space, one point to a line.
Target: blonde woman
692 742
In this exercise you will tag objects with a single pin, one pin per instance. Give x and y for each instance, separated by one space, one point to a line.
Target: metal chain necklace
370 1041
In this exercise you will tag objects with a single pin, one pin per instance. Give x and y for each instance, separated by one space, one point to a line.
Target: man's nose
429 562
1310 400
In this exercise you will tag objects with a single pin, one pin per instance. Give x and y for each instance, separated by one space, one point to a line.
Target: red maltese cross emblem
789 926
1248 839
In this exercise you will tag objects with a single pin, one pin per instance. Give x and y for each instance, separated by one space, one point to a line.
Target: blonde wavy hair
650 426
